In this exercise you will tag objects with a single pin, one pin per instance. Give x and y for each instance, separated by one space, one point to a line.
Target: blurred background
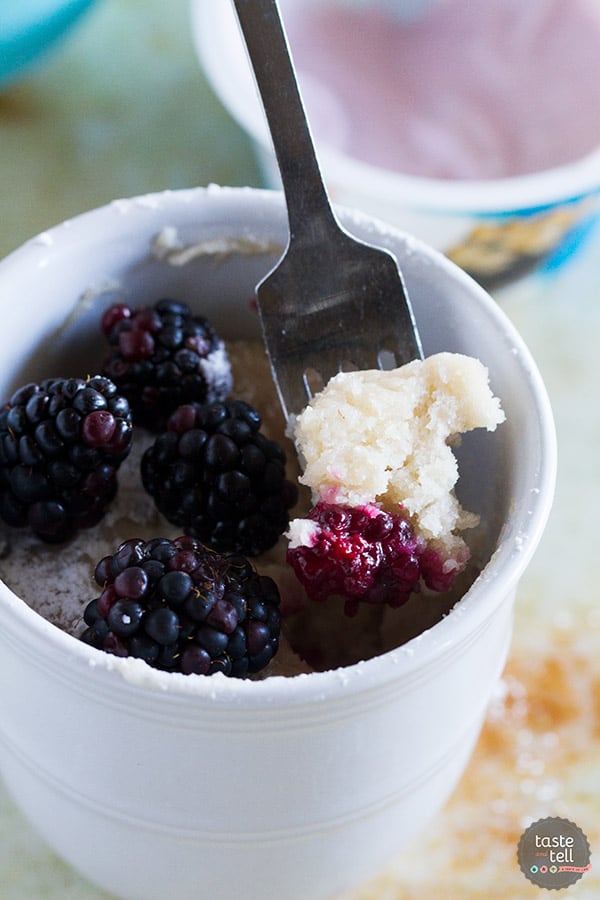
117 104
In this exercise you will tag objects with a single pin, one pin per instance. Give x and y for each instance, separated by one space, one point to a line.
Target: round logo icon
553 853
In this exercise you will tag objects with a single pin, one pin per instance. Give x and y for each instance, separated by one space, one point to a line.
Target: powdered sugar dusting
217 371
57 581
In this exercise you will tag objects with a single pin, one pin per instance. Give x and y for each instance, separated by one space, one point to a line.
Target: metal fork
332 302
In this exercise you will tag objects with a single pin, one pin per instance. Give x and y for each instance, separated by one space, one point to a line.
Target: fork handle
268 50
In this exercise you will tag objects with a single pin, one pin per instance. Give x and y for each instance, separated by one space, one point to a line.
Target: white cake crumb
302 533
383 438
168 246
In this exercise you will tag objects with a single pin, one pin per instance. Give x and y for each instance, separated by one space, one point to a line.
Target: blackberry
216 476
61 444
182 607
162 356
360 554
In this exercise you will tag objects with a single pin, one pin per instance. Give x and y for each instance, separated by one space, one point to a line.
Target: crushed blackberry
61 444
162 356
214 474
363 554
182 607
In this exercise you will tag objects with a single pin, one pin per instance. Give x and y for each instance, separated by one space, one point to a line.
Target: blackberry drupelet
163 356
182 607
215 475
61 444
364 554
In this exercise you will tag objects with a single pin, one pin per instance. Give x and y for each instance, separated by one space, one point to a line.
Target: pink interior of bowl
222 55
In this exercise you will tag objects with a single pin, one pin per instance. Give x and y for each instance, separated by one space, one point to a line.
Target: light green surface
123 108
120 108
28 869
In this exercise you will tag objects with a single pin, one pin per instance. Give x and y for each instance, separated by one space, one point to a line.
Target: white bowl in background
154 784
495 229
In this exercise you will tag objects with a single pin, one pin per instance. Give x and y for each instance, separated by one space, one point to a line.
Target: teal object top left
29 28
